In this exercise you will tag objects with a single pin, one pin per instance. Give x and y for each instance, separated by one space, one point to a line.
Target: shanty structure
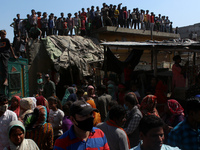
155 46
68 56
111 63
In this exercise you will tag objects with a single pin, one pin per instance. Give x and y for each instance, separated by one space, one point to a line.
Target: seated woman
38 129
16 132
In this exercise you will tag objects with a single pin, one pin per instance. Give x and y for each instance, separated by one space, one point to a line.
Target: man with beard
6 116
82 135
152 134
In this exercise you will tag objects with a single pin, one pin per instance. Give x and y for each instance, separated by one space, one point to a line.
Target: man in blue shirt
152 134
186 135
82 135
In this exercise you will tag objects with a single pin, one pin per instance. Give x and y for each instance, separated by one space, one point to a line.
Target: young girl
40 83
55 116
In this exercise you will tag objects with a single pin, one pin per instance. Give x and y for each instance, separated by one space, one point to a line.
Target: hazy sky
180 12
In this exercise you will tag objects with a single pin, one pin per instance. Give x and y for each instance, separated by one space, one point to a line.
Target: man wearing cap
186 134
6 116
49 87
5 48
82 135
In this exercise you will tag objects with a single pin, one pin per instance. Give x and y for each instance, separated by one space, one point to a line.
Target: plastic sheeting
117 66
74 50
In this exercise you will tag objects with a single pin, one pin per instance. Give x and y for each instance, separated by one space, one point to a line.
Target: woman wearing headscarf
33 103
112 91
90 99
91 92
174 113
38 129
15 105
148 105
68 92
42 101
16 133
26 105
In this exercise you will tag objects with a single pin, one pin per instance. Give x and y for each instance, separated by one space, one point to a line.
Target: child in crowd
55 116
67 123
40 83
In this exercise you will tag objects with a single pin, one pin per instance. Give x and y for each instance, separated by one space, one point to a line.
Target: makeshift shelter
73 50
67 55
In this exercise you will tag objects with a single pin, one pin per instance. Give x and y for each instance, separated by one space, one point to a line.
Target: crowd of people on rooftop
83 22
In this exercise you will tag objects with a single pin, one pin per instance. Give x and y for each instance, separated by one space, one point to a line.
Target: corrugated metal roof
171 45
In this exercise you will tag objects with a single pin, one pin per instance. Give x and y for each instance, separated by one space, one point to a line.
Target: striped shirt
69 141
42 135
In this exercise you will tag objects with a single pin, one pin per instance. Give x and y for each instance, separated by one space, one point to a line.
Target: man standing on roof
5 48
82 135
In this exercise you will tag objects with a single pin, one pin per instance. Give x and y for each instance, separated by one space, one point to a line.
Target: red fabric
121 86
42 101
17 110
152 19
148 105
178 79
65 25
84 14
174 107
125 14
127 74
112 123
82 24
39 22
161 91
121 98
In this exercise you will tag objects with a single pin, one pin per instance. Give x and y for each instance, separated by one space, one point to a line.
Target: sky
180 12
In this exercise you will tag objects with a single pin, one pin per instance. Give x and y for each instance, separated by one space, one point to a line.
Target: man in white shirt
6 116
152 134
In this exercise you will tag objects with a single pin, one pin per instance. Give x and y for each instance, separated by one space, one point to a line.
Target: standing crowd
84 21
110 116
